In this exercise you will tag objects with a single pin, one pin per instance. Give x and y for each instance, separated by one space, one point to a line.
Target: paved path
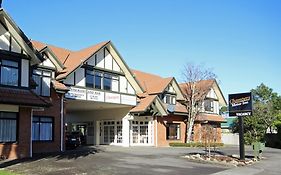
271 165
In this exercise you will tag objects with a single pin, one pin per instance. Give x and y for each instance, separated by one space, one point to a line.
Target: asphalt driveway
105 160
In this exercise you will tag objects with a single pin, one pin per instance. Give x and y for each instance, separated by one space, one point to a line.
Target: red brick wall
20 149
161 129
55 112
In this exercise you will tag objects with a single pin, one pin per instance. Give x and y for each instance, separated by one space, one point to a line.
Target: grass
5 172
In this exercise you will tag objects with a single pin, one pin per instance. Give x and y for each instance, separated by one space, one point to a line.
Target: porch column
126 130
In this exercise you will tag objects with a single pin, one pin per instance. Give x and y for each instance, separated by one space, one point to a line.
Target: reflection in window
43 81
9 72
209 105
42 128
98 80
173 131
107 79
8 127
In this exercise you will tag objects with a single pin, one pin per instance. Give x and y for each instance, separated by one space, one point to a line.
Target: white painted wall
230 138
130 89
80 77
108 60
48 63
212 94
116 66
25 73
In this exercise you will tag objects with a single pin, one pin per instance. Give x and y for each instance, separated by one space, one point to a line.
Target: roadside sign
240 104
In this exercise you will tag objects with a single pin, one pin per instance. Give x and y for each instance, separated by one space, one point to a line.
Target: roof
151 84
143 104
70 59
209 117
21 97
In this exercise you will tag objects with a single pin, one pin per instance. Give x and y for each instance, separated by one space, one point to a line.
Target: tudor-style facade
161 103
102 91
19 123
209 115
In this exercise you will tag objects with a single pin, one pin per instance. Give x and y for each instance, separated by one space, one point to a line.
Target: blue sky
239 40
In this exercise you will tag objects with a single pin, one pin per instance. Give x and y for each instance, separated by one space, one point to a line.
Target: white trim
31 118
156 134
62 125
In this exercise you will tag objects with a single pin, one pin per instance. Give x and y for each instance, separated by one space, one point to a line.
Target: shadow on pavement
68 154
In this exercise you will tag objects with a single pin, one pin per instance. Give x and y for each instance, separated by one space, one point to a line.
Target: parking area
105 160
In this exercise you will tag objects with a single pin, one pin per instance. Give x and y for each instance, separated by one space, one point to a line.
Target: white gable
103 59
48 63
212 94
7 42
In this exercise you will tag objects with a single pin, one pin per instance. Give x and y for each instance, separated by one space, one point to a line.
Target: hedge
195 144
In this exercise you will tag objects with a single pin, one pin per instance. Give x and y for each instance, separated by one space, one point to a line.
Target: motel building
46 91
109 104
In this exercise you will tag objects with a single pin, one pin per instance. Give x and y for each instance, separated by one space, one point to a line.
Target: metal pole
241 138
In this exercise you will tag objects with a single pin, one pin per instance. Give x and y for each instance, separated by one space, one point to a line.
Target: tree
194 95
266 110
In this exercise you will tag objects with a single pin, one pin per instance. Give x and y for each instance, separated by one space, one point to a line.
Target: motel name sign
240 104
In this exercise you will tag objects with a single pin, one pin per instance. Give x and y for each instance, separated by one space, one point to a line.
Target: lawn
4 172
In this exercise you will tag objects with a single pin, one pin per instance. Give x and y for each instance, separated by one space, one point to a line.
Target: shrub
194 144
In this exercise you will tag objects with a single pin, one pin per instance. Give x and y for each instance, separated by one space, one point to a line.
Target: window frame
39 121
13 67
212 108
41 76
178 128
17 126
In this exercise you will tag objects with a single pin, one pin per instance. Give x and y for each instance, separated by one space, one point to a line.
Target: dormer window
43 81
169 99
9 73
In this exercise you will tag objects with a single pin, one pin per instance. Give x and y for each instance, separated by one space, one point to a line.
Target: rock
197 155
235 156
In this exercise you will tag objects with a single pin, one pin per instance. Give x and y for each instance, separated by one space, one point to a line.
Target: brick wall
55 112
20 149
161 129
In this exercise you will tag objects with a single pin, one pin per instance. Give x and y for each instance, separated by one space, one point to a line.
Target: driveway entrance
108 160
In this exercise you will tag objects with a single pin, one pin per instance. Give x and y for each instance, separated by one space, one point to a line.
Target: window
9 72
98 80
173 131
42 128
43 81
169 99
107 82
8 127
90 78
209 105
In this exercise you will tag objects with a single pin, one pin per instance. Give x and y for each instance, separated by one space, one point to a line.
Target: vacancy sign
240 104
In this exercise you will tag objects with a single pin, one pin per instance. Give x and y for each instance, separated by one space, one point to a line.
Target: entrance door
111 132
108 136
140 133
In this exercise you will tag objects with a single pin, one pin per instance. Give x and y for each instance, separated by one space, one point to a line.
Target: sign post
240 105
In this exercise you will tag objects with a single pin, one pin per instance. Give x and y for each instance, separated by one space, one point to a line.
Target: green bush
194 144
